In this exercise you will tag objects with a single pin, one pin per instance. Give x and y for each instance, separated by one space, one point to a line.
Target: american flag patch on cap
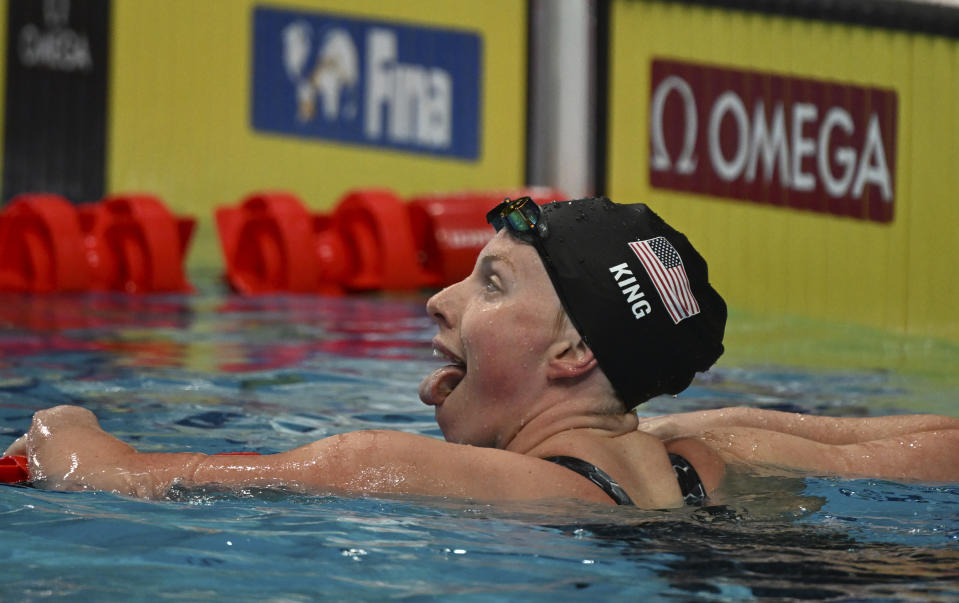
665 268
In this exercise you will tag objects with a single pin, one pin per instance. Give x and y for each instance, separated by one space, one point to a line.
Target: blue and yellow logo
373 83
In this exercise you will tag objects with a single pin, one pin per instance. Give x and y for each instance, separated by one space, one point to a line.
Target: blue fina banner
365 82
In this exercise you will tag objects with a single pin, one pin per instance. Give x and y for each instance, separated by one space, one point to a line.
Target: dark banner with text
56 98
788 141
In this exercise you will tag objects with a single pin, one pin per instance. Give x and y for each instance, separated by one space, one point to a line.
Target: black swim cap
637 292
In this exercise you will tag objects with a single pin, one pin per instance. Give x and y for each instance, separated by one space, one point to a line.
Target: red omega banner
777 140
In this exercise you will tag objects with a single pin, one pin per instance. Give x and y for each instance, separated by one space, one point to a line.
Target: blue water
216 373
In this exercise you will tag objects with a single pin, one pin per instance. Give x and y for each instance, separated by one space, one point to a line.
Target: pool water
214 373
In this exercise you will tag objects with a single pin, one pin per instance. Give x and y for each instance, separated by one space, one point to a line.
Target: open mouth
441 382
441 352
455 371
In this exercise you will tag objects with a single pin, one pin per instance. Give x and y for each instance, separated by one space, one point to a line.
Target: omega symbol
660 161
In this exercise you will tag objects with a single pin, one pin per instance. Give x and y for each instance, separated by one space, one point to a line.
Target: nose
440 307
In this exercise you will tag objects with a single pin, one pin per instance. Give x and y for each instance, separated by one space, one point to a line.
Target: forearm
923 456
143 475
826 430
118 468
68 450
351 462
86 458
846 430
99 461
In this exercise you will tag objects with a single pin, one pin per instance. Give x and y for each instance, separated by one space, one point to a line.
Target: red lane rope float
14 469
41 245
450 229
372 240
266 243
126 243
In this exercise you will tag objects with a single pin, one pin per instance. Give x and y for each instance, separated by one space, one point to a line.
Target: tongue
439 384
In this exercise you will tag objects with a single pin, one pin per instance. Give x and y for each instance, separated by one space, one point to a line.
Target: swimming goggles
523 217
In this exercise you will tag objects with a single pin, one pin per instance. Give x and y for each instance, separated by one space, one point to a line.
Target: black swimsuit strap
689 483
595 475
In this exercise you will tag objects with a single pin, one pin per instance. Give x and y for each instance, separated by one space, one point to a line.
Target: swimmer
575 313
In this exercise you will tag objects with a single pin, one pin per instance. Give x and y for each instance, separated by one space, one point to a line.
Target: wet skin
519 387
498 324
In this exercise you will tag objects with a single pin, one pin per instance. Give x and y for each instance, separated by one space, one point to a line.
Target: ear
570 358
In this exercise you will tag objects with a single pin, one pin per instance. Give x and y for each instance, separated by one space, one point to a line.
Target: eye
493 284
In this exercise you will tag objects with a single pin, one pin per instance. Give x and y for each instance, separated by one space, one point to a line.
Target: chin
444 426
451 436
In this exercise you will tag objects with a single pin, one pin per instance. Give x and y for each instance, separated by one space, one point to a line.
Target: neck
552 417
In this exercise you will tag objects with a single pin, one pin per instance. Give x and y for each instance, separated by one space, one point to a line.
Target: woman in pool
574 314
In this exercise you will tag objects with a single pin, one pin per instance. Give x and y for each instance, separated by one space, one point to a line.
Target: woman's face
495 327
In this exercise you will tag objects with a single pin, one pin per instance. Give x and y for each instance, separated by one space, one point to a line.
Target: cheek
502 358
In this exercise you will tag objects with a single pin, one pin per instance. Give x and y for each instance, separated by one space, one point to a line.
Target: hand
64 445
663 427
692 424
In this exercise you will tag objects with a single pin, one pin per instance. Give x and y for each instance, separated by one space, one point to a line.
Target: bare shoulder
637 461
393 461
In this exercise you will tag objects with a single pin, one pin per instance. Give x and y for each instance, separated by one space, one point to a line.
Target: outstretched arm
825 430
921 456
68 450
902 447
